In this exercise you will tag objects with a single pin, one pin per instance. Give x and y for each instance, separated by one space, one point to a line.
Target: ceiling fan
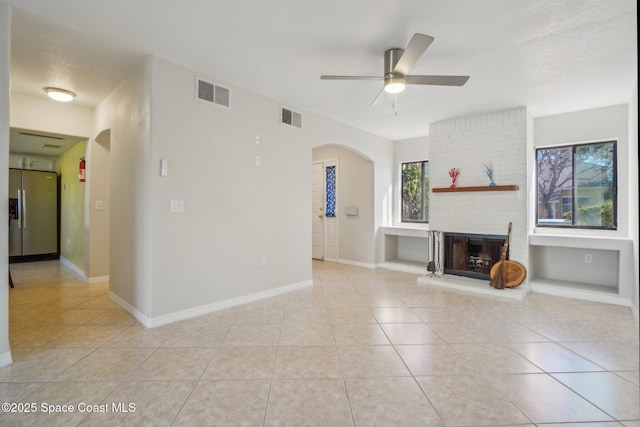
397 63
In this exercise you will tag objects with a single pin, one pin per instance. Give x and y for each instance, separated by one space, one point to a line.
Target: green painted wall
72 206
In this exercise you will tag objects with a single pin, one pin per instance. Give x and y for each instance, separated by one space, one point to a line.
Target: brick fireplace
480 219
475 217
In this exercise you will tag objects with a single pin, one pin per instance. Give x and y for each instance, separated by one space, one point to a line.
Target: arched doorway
349 227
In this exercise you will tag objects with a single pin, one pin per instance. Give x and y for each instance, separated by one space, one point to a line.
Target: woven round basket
514 273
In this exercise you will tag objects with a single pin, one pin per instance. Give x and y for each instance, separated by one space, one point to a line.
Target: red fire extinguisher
82 171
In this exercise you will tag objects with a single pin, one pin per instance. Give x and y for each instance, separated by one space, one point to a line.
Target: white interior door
331 210
317 211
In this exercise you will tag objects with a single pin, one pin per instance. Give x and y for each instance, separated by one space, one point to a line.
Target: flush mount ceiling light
58 94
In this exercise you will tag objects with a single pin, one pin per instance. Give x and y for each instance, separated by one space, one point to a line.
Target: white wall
46 115
235 212
634 209
126 114
168 265
97 221
5 69
355 188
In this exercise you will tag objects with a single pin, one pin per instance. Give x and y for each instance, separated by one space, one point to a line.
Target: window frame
614 186
425 209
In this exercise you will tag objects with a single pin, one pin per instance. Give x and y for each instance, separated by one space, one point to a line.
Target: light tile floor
361 347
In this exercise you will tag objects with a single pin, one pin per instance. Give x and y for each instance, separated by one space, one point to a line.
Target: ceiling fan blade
380 98
436 80
416 47
325 77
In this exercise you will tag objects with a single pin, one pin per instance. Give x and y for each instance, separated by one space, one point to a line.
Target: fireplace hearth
472 255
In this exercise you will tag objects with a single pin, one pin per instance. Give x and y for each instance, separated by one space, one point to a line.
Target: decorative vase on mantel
489 170
453 173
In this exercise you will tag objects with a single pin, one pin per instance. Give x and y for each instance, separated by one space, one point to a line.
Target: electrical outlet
588 258
263 262
258 160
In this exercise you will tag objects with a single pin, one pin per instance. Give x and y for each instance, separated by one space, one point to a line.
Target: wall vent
291 118
210 92
40 135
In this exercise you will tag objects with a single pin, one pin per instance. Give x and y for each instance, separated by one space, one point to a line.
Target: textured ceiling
552 56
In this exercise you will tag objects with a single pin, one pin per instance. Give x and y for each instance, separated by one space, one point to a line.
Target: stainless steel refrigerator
33 201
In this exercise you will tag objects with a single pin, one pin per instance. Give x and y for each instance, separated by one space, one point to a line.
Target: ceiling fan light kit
394 84
398 62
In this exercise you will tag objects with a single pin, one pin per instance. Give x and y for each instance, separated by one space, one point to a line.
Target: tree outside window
577 185
415 191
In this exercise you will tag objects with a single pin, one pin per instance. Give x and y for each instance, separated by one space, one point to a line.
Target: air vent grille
221 96
210 92
291 118
205 90
40 136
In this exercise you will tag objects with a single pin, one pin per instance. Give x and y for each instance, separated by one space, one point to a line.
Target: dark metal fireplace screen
472 255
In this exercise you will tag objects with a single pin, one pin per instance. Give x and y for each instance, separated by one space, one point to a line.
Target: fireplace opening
472 255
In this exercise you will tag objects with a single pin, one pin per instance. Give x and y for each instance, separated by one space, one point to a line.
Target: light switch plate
164 169
176 205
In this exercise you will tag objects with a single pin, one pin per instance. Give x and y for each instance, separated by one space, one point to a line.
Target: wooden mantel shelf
479 188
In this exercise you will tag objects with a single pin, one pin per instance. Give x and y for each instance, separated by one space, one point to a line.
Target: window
567 204
331 191
577 185
415 192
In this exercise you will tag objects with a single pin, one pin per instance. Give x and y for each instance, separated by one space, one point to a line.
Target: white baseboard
356 263
79 271
581 294
71 266
152 322
140 317
405 268
5 359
